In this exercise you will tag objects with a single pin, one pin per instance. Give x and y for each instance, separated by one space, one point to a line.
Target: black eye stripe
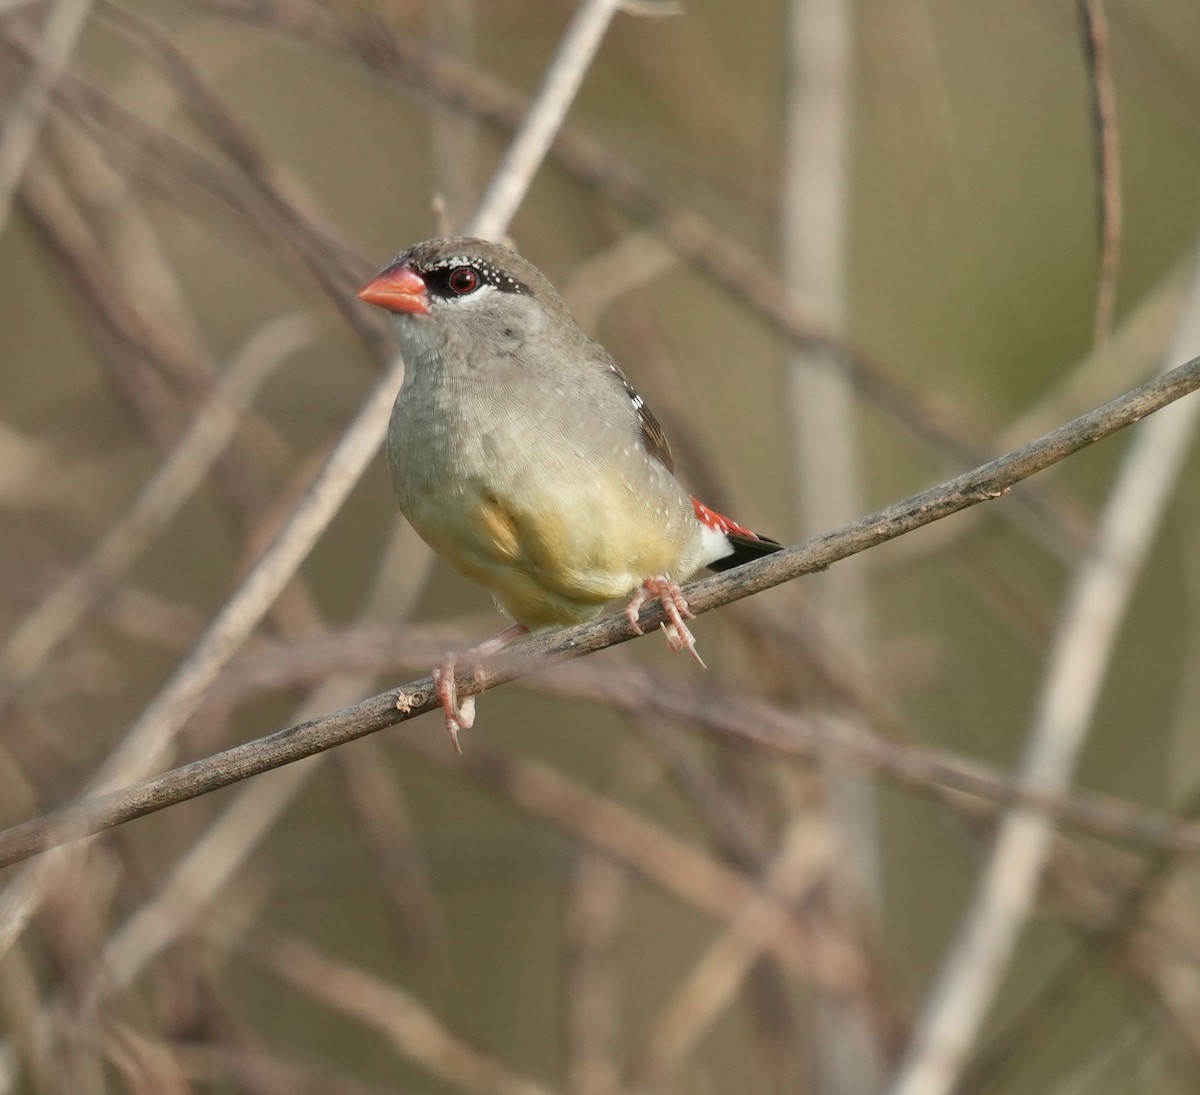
437 276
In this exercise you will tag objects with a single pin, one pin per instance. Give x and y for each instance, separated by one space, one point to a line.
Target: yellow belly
546 569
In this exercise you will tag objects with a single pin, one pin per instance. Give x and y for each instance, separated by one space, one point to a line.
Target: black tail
745 549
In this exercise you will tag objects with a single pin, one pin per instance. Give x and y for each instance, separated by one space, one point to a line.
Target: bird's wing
650 430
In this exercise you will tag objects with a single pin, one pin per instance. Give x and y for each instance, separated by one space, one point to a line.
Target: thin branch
150 738
544 120
1130 351
24 124
412 1029
826 460
1115 933
985 483
1077 666
1098 53
717 976
36 636
597 900
736 720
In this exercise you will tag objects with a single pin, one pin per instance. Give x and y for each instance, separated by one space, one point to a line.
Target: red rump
716 521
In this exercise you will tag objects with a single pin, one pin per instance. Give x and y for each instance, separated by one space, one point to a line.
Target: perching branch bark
987 482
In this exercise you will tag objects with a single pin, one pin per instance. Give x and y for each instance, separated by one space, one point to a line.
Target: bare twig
149 740
35 637
411 1028
674 865
963 784
1076 670
542 123
597 899
393 843
824 442
24 122
718 975
265 1072
1098 52
986 483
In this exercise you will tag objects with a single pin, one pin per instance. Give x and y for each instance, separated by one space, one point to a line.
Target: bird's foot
461 716
675 605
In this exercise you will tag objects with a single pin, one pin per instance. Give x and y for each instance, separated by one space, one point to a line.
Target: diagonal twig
527 151
714 981
985 483
1077 667
415 1032
968 786
1106 136
35 637
24 123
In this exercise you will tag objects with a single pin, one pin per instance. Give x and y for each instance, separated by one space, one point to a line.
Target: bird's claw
679 636
634 607
459 716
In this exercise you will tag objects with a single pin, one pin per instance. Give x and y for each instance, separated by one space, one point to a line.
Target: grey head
459 299
464 306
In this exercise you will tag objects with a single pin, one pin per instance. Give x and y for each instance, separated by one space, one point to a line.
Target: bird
523 456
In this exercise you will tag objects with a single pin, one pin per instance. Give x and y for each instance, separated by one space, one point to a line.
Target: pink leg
461 716
675 605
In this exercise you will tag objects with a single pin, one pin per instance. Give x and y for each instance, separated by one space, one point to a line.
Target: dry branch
970 786
414 1031
1076 668
985 483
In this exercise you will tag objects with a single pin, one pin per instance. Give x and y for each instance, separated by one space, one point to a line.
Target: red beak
398 289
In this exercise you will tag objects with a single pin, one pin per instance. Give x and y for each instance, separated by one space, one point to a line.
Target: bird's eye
463 280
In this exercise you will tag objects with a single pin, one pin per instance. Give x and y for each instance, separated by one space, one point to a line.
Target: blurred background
845 251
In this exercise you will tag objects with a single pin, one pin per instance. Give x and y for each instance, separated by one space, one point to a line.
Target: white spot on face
471 298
